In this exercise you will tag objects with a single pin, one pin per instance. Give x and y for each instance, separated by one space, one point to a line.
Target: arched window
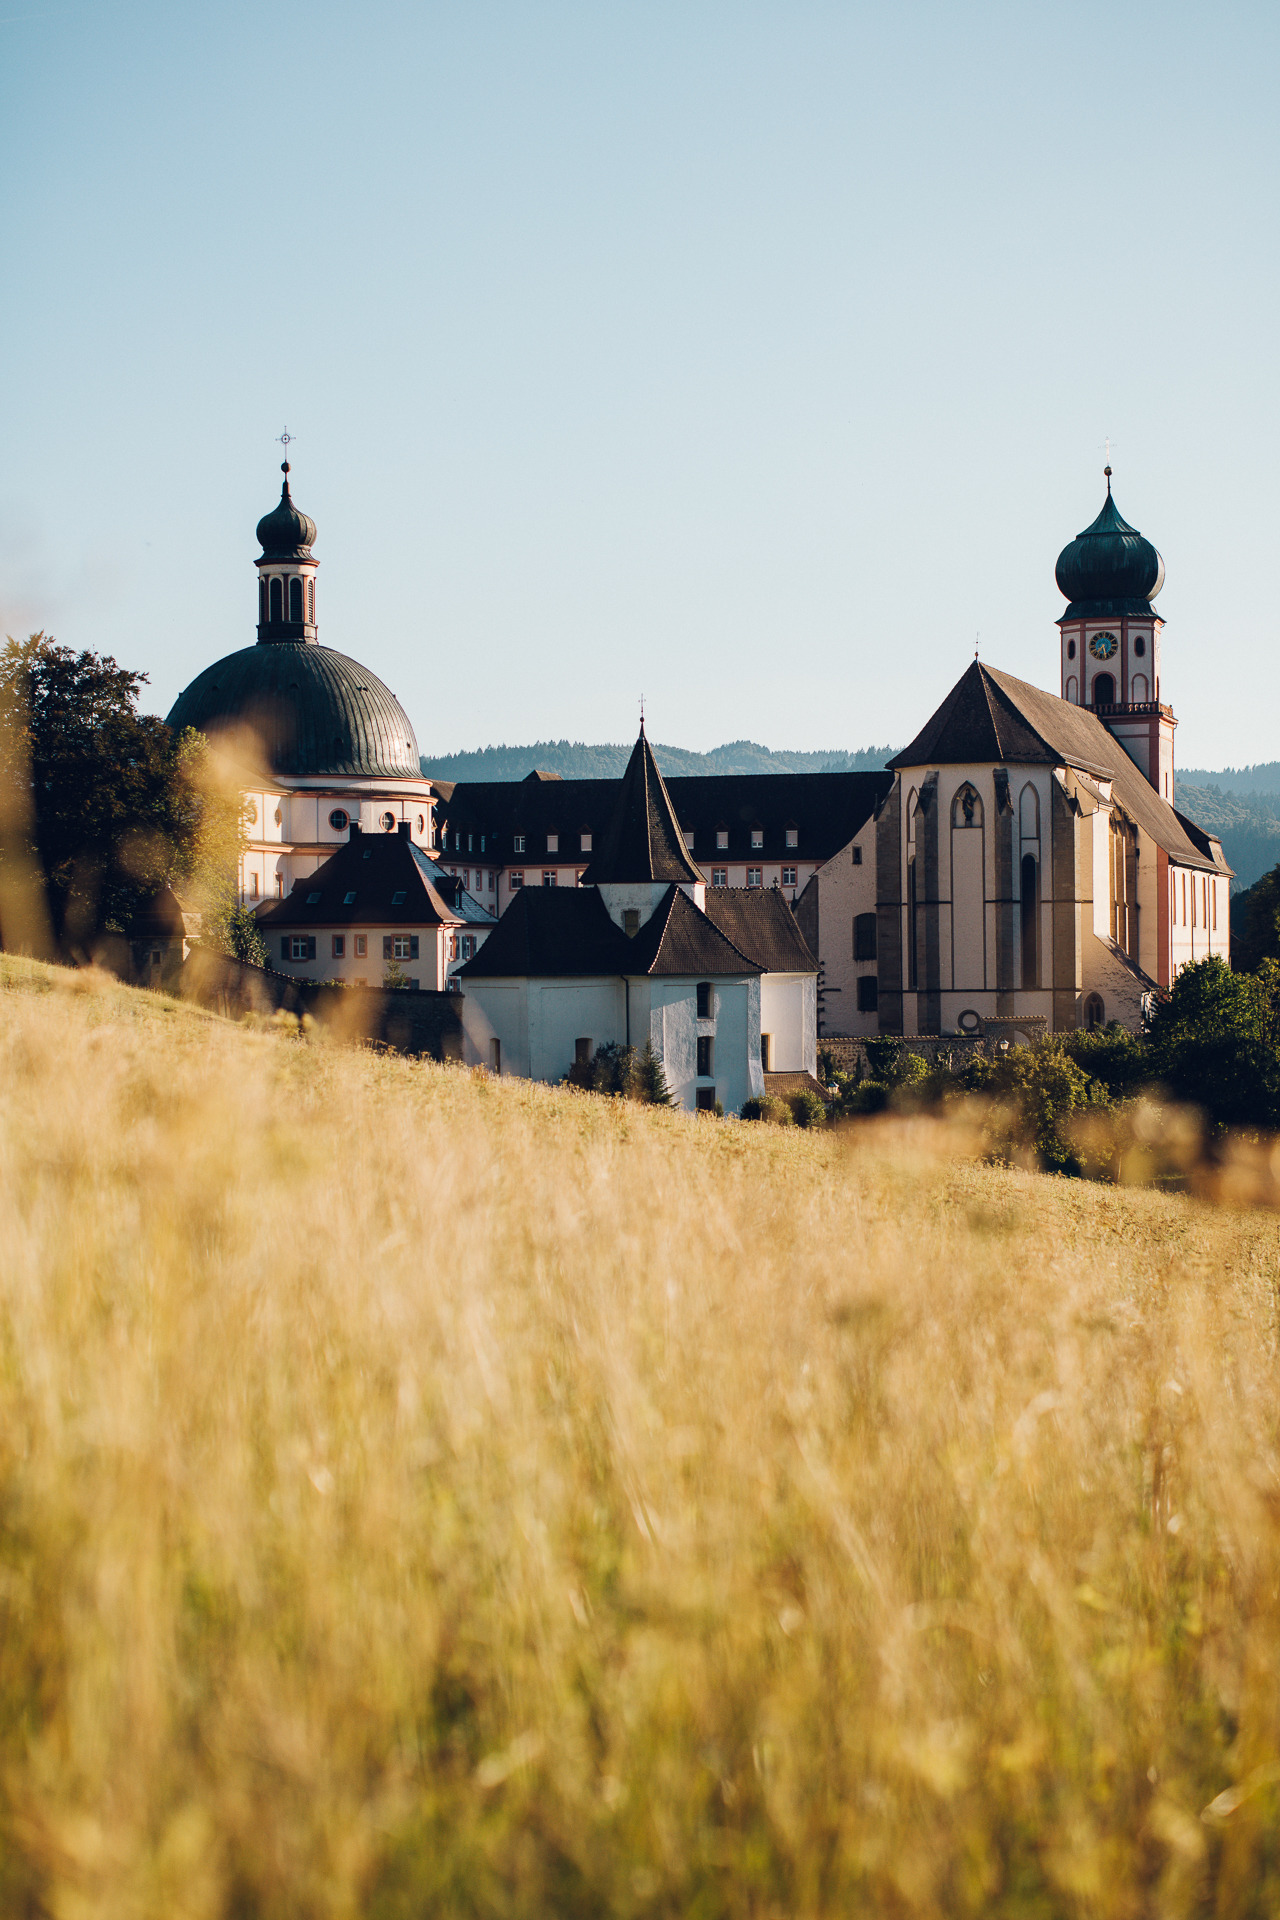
262 600
1140 691
1104 690
277 598
911 817
1030 905
1029 813
295 599
1073 689
966 808
1095 1013
311 602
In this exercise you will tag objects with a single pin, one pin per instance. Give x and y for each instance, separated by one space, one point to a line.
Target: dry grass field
421 1495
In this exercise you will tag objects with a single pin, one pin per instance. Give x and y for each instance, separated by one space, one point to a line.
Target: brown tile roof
375 867
991 717
566 932
761 924
784 1084
642 840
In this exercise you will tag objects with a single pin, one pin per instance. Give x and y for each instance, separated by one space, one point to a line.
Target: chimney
355 829
406 828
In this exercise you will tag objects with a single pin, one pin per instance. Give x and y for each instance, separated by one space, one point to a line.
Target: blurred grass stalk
24 911
424 1494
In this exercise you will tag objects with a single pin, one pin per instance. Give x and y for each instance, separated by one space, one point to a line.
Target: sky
758 359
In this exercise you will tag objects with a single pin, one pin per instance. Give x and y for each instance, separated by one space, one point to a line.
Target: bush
770 1108
1113 1056
631 1072
808 1109
1214 1039
1040 1087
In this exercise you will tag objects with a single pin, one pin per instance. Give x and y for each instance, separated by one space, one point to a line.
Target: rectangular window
339 945
398 899
757 836
857 856
553 843
631 921
584 843
688 838
517 844
722 839
766 1052
549 877
348 899
470 842
864 936
482 843
1184 899
704 1000
793 836
705 1048
788 876
300 946
755 877
1213 899
495 1056
468 945
868 993
253 886
279 886
362 945
719 876
515 879
704 1099
581 1052
400 946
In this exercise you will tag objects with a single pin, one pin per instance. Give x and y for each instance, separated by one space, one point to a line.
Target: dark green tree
1214 1039
114 805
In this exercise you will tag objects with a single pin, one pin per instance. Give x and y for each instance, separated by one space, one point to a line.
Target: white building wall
789 1014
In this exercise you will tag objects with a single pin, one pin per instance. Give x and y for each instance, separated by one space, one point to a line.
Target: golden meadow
426 1495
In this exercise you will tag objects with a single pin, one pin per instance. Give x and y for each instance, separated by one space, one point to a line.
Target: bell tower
286 572
1110 645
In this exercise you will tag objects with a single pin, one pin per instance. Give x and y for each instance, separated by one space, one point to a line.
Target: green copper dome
1110 569
314 711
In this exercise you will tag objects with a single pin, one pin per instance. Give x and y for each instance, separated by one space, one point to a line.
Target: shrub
769 1108
1215 1039
631 1072
1040 1087
808 1109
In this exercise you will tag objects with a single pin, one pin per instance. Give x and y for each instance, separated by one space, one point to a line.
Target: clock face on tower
1103 645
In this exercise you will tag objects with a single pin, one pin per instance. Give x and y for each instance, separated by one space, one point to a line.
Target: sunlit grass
422 1495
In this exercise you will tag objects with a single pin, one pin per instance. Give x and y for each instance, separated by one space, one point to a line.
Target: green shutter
311 947
386 946
284 947
413 946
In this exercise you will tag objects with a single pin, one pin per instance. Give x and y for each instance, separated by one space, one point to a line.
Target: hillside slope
575 760
1248 824
427 1494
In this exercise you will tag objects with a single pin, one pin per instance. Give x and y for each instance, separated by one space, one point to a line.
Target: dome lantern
286 572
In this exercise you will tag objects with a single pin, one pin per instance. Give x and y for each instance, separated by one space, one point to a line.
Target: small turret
286 572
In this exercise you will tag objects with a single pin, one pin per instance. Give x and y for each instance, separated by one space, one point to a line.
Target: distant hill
1247 822
575 760
1264 778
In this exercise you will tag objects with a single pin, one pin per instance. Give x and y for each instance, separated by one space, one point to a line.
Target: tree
1214 1039
106 804
1255 923
636 1074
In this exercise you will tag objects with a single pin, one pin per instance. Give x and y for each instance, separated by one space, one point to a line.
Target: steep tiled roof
642 840
762 925
992 717
375 867
563 932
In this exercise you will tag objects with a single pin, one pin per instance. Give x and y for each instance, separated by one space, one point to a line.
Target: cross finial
976 638
642 713
286 440
1106 446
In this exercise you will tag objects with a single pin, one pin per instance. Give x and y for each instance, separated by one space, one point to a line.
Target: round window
338 819
388 823
251 813
1140 645
279 817
422 825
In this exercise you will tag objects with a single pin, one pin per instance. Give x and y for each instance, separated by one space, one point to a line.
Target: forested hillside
1248 822
577 760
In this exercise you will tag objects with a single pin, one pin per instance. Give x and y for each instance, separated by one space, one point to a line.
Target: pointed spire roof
643 840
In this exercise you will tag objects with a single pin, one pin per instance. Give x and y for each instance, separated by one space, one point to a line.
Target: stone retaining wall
411 1022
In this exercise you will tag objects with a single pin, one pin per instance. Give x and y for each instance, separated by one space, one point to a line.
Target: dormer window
722 839
793 836
584 843
313 899
631 921
517 843
348 899
688 839
553 843
757 837
398 899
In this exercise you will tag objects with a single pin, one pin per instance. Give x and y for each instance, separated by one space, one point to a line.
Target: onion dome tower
312 726
1110 649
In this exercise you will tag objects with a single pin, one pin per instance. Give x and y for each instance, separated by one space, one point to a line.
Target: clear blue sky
752 357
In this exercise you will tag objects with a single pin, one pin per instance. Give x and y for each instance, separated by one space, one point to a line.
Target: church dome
315 712
284 533
1109 569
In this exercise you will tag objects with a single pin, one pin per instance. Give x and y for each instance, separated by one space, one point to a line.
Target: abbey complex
1019 868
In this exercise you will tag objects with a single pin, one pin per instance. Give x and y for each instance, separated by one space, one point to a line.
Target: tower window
1104 690
311 602
295 599
1140 645
1071 649
277 599
262 600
